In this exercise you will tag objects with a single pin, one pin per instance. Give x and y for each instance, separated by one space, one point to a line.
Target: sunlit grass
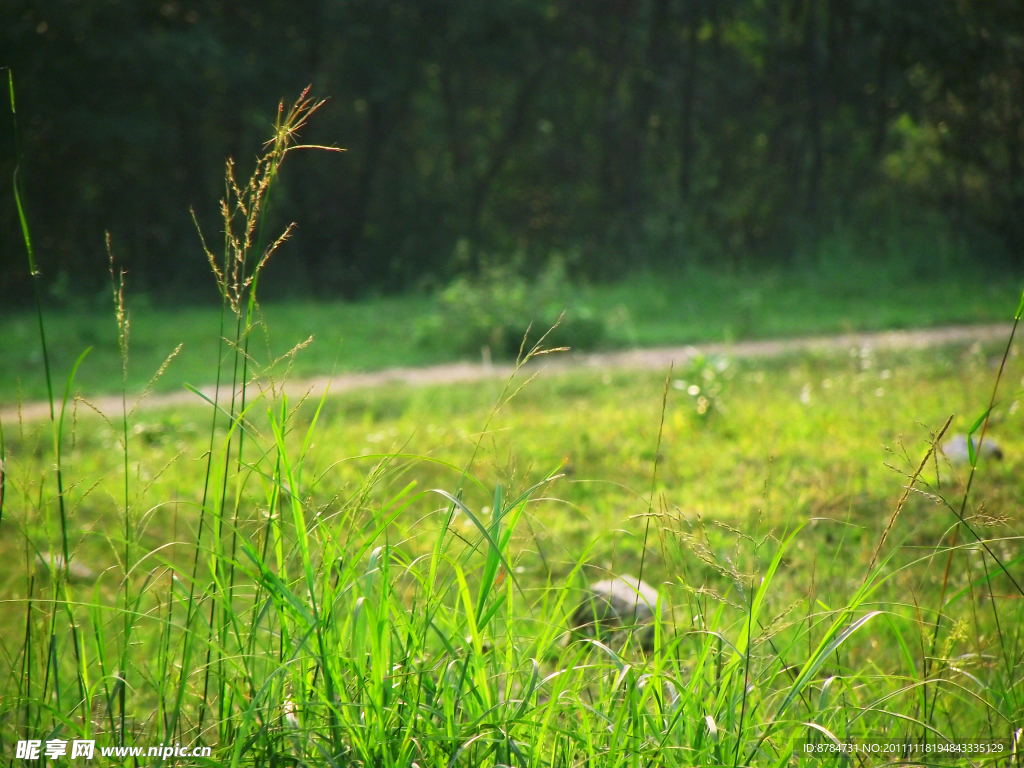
384 577
797 442
683 308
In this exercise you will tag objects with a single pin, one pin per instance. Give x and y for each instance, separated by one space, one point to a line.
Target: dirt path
638 359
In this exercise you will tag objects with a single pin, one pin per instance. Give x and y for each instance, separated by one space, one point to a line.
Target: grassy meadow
384 578
817 447
689 307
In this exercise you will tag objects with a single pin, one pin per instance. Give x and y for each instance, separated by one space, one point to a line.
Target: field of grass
685 308
799 445
385 578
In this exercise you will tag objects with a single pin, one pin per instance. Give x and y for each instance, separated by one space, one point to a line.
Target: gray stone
956 449
78 573
615 606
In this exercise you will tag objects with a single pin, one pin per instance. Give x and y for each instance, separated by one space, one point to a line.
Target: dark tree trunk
689 94
1015 186
499 154
332 270
815 98
882 87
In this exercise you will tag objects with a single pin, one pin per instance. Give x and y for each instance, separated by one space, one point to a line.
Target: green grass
823 457
799 443
685 308
383 578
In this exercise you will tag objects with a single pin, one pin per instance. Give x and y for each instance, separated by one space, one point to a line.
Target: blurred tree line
616 133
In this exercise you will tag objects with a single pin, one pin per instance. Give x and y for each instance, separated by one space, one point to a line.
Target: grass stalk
121 315
36 276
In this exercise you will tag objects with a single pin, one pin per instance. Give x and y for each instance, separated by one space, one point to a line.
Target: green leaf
24 228
979 421
972 449
67 390
483 529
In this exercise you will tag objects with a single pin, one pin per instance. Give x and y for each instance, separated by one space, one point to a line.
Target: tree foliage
612 133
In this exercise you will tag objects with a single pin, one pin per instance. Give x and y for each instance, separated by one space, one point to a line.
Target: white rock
956 449
614 606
